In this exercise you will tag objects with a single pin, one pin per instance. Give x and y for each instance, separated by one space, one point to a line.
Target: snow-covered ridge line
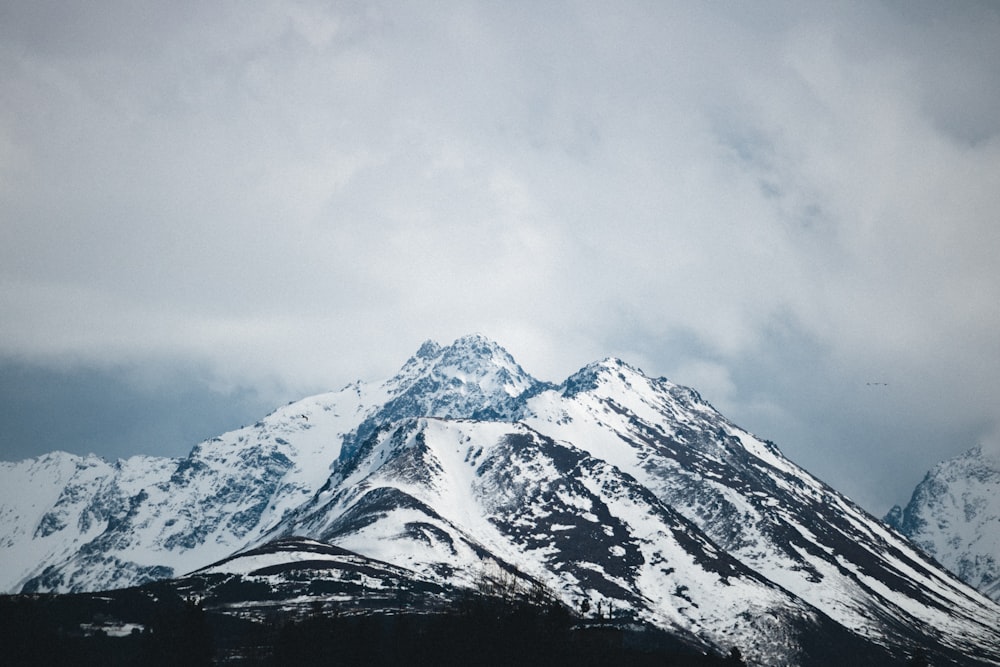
613 488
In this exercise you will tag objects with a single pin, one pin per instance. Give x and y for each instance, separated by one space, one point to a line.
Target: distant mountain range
614 493
954 515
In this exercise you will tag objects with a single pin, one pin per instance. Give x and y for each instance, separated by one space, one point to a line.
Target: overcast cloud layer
792 208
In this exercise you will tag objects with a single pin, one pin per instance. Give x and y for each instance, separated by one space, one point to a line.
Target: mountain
73 523
616 493
762 509
954 515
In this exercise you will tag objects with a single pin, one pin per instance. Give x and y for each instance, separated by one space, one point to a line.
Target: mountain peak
953 515
471 361
599 372
473 378
475 340
987 454
429 350
478 353
472 347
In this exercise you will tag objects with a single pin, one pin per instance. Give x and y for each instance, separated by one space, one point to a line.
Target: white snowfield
954 515
612 487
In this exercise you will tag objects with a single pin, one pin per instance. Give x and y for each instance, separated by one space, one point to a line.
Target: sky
210 209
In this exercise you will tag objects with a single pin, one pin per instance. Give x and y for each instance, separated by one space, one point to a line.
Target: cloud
118 411
759 198
989 442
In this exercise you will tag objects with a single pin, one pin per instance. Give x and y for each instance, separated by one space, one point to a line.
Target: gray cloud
779 203
116 411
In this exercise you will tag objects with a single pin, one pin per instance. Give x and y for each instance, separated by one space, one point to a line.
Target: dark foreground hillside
127 627
524 636
133 628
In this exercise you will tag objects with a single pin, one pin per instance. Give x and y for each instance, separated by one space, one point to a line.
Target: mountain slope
577 524
59 504
954 515
625 492
761 508
134 521
149 518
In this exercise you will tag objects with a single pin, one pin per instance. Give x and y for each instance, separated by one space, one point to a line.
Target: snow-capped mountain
759 507
954 515
627 492
74 523
58 507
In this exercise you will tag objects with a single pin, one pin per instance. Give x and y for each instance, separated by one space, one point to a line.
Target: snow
116 629
954 515
246 565
614 487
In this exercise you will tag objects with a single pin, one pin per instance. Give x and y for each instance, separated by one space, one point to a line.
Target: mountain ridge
611 487
954 515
